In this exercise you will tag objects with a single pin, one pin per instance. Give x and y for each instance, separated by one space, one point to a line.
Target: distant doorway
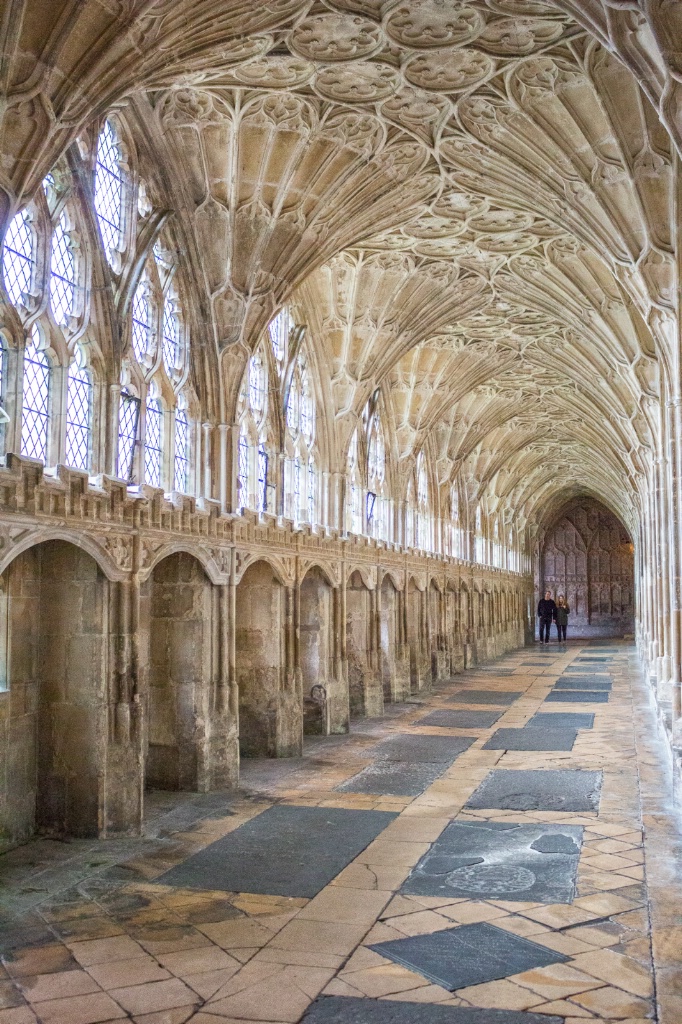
587 554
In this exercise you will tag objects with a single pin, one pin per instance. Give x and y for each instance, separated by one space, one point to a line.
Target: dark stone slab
394 778
461 719
561 720
593 657
586 672
538 791
351 1010
532 739
470 955
537 863
577 697
285 851
404 747
573 683
499 697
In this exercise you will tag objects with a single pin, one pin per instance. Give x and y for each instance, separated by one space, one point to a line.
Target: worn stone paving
91 932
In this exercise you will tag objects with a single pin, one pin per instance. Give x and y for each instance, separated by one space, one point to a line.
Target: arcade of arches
332 333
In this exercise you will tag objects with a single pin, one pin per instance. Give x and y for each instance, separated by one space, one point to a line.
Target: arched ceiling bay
468 202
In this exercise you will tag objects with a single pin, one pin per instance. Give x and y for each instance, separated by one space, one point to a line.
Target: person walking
561 617
546 615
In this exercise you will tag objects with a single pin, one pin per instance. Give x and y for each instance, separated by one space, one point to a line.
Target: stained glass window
78 415
153 442
109 189
35 411
62 273
293 409
17 258
181 451
171 337
142 320
307 410
128 426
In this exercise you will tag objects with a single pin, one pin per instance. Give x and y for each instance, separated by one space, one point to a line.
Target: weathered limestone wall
146 646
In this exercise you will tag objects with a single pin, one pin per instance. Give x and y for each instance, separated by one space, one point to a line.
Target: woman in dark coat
561 617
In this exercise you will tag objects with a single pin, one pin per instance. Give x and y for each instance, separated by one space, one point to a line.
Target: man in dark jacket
546 615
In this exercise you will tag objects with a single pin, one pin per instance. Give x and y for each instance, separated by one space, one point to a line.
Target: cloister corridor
315 892
341 511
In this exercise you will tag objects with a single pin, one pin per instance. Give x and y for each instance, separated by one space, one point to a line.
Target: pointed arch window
181 467
300 477
262 481
18 259
153 441
35 411
142 320
128 433
110 186
257 384
78 414
377 496
62 272
355 489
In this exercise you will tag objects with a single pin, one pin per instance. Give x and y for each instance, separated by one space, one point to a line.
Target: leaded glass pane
35 410
109 188
78 417
152 443
298 489
243 471
142 321
17 258
128 425
181 451
307 414
279 329
262 479
293 408
62 273
311 491
256 384
171 337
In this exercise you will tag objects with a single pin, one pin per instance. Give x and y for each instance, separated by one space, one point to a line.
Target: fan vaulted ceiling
468 203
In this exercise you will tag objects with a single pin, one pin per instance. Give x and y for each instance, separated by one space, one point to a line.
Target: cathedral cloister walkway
503 850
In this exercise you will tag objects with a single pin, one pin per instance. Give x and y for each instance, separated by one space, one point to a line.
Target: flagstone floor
145 930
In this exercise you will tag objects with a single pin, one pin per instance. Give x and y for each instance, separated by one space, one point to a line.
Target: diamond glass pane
171 338
152 444
17 258
181 451
293 407
35 416
128 423
141 321
279 329
78 413
62 273
109 185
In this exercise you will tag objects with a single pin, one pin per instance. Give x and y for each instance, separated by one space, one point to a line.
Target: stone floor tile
618 970
18 1015
337 904
612 1003
57 986
194 961
557 980
39 960
382 980
282 996
312 935
89 1009
180 1015
500 995
100 951
562 1008
154 996
127 972
207 983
